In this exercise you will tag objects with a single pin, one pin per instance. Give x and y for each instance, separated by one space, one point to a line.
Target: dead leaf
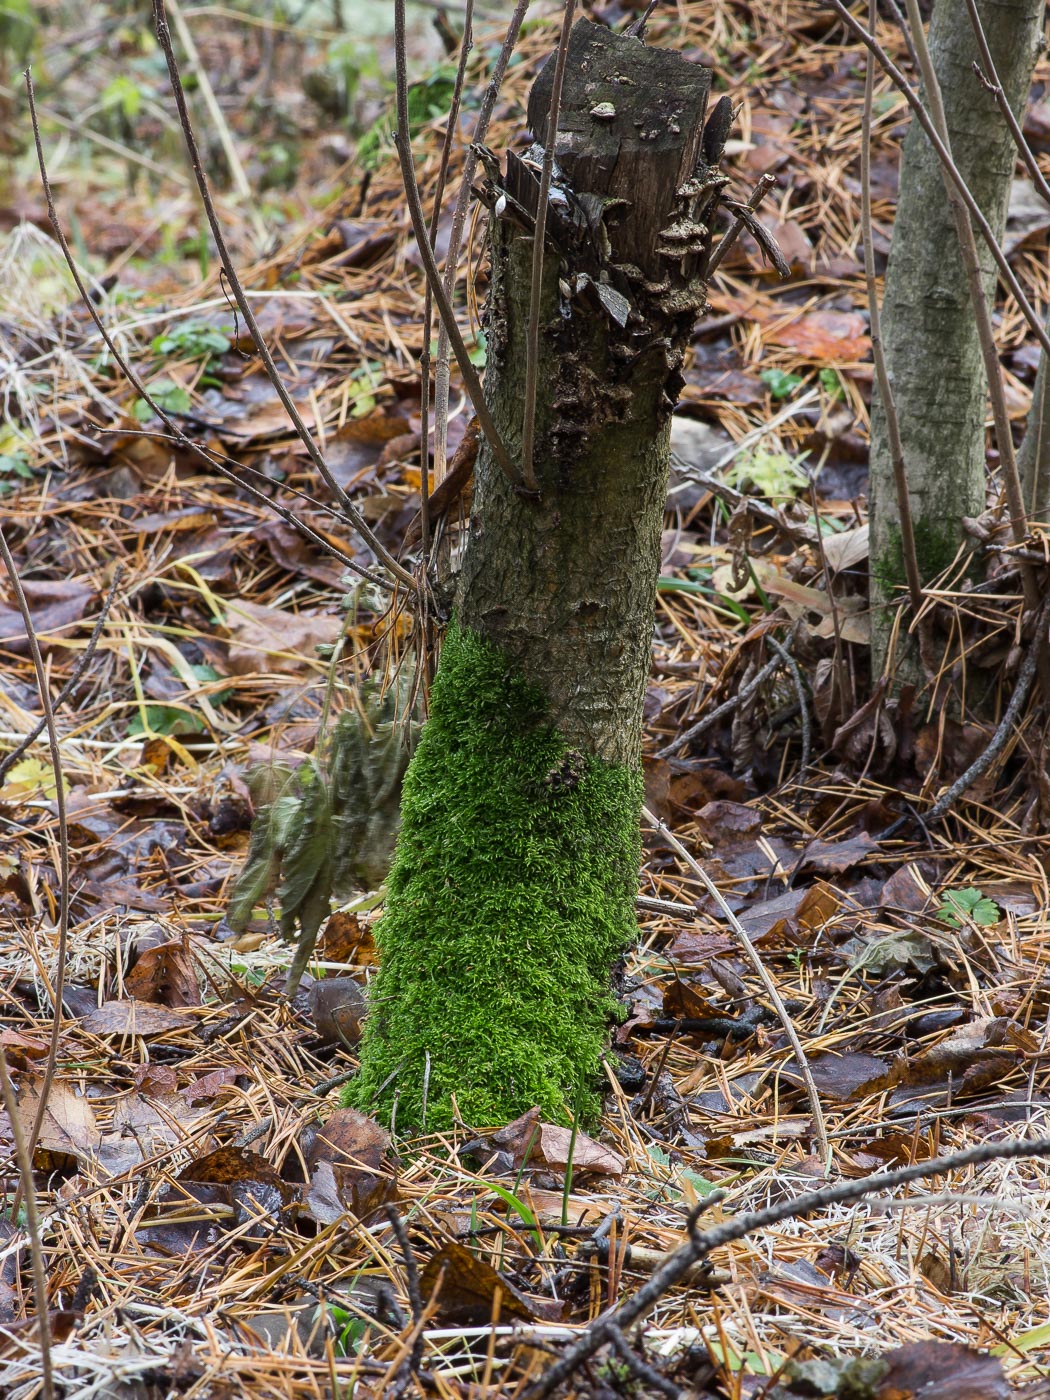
548 1145
904 890
466 1289
358 1151
337 1009
130 1017
725 822
271 639
835 857
942 1371
842 1077
166 975
824 337
68 1128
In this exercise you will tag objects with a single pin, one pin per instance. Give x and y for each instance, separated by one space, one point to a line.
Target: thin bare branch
820 1130
532 339
24 1160
466 44
886 395
459 220
57 987
351 511
989 78
700 1246
733 232
944 155
426 253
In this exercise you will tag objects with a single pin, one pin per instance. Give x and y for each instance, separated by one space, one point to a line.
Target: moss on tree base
511 897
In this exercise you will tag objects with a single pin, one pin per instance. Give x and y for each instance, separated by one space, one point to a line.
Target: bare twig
459 220
415 1296
800 691
989 78
886 395
699 1246
83 662
351 511
726 708
951 169
982 313
647 1374
58 985
735 229
820 1130
24 1159
136 382
532 341
466 44
426 253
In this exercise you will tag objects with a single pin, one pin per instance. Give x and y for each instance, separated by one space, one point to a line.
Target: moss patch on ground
510 899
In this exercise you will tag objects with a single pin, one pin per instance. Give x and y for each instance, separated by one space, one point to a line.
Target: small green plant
968 906
167 395
779 383
427 99
769 471
831 384
193 341
14 466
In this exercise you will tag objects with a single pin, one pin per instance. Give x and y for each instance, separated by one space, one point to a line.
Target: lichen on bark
511 895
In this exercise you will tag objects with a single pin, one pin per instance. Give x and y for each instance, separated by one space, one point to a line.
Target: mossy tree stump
512 893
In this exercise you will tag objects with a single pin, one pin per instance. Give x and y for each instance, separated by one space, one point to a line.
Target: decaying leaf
531 1142
466 1289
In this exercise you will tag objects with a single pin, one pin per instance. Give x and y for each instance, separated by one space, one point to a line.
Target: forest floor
211 1222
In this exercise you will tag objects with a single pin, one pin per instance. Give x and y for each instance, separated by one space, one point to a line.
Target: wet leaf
358 1151
130 1017
467 1288
68 1128
166 975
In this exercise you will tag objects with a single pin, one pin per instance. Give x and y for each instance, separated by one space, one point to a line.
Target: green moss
936 544
511 896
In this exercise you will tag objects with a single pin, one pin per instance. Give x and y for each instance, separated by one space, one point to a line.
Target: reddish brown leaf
828 337
358 1151
166 975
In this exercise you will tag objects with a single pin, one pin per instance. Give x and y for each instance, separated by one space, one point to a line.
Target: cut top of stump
630 129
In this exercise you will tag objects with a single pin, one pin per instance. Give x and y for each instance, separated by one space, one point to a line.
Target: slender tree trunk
928 326
513 886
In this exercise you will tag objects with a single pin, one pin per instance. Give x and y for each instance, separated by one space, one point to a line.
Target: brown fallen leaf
835 857
466 1289
130 1017
271 639
358 1151
942 1371
68 1128
166 975
534 1143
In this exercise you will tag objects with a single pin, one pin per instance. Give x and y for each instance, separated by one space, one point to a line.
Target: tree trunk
928 325
512 893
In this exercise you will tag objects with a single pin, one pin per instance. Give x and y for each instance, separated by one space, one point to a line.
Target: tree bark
930 337
513 885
